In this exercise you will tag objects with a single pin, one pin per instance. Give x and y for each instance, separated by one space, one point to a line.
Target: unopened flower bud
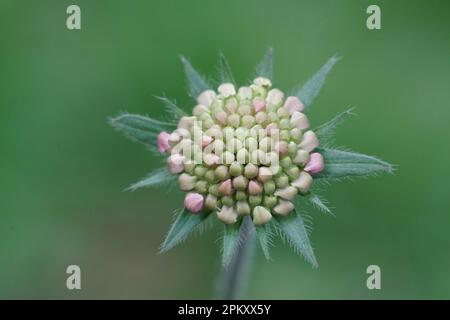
287 193
206 140
271 129
240 183
174 138
201 186
304 182
206 98
186 181
296 135
234 120
309 141
258 104
175 163
263 82
226 90
286 162
163 142
236 169
186 122
228 201
264 174
260 117
227 215
275 97
211 159
231 105
315 164
214 190
193 202
227 157
293 172
282 113
241 195
299 120
245 110
293 104
242 156
281 147
254 200
269 187
221 172
200 171
250 171
248 121
226 188
221 117
210 176
199 110
282 181
242 208
245 93
270 201
301 157
211 202
283 208
261 216
284 124
254 188
241 133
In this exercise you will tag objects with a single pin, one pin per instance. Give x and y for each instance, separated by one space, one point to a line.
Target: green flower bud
282 113
234 120
210 176
241 133
227 201
248 121
240 183
201 186
251 144
218 147
254 200
214 190
227 157
292 149
251 171
261 216
189 167
243 156
242 208
296 135
284 124
228 133
265 144
270 201
286 162
221 172
284 135
233 145
301 157
245 110
282 181
200 171
293 172
241 195
211 202
269 187
236 169
272 117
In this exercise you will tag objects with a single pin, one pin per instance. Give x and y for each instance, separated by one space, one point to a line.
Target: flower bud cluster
245 151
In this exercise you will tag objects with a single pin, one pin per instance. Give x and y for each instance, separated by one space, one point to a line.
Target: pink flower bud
254 188
309 141
258 104
193 202
281 147
264 174
163 142
222 117
226 188
271 128
206 98
186 122
293 104
315 164
287 193
304 182
175 163
211 159
299 120
206 140
283 207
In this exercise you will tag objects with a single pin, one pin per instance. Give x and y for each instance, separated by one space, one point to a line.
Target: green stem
233 281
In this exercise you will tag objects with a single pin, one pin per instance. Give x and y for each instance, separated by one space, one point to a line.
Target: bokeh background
63 168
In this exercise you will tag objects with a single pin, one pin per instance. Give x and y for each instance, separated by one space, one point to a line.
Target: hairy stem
233 281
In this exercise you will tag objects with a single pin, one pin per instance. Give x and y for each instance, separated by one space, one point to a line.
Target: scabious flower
247 152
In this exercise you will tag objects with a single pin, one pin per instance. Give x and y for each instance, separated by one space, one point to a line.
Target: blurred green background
63 168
